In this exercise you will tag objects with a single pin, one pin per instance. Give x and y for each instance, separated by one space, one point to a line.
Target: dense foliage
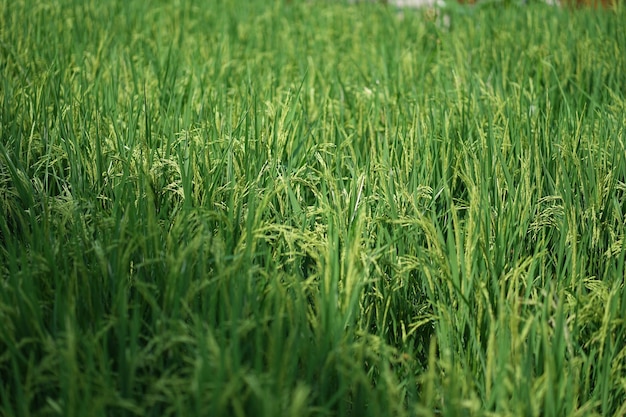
307 208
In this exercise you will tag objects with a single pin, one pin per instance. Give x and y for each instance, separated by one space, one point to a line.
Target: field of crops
299 208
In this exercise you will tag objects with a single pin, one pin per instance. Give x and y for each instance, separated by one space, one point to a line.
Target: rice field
296 208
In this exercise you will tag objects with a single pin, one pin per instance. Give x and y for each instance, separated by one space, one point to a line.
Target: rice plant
298 208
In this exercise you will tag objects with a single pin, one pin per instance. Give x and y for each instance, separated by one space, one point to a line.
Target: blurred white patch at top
417 3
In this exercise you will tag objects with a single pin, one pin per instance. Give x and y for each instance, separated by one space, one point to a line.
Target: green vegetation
257 208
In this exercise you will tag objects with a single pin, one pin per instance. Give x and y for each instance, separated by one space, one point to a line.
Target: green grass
311 209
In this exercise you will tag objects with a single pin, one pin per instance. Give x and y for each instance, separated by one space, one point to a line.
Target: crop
267 208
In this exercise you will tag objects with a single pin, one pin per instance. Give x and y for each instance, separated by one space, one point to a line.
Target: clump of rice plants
257 208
